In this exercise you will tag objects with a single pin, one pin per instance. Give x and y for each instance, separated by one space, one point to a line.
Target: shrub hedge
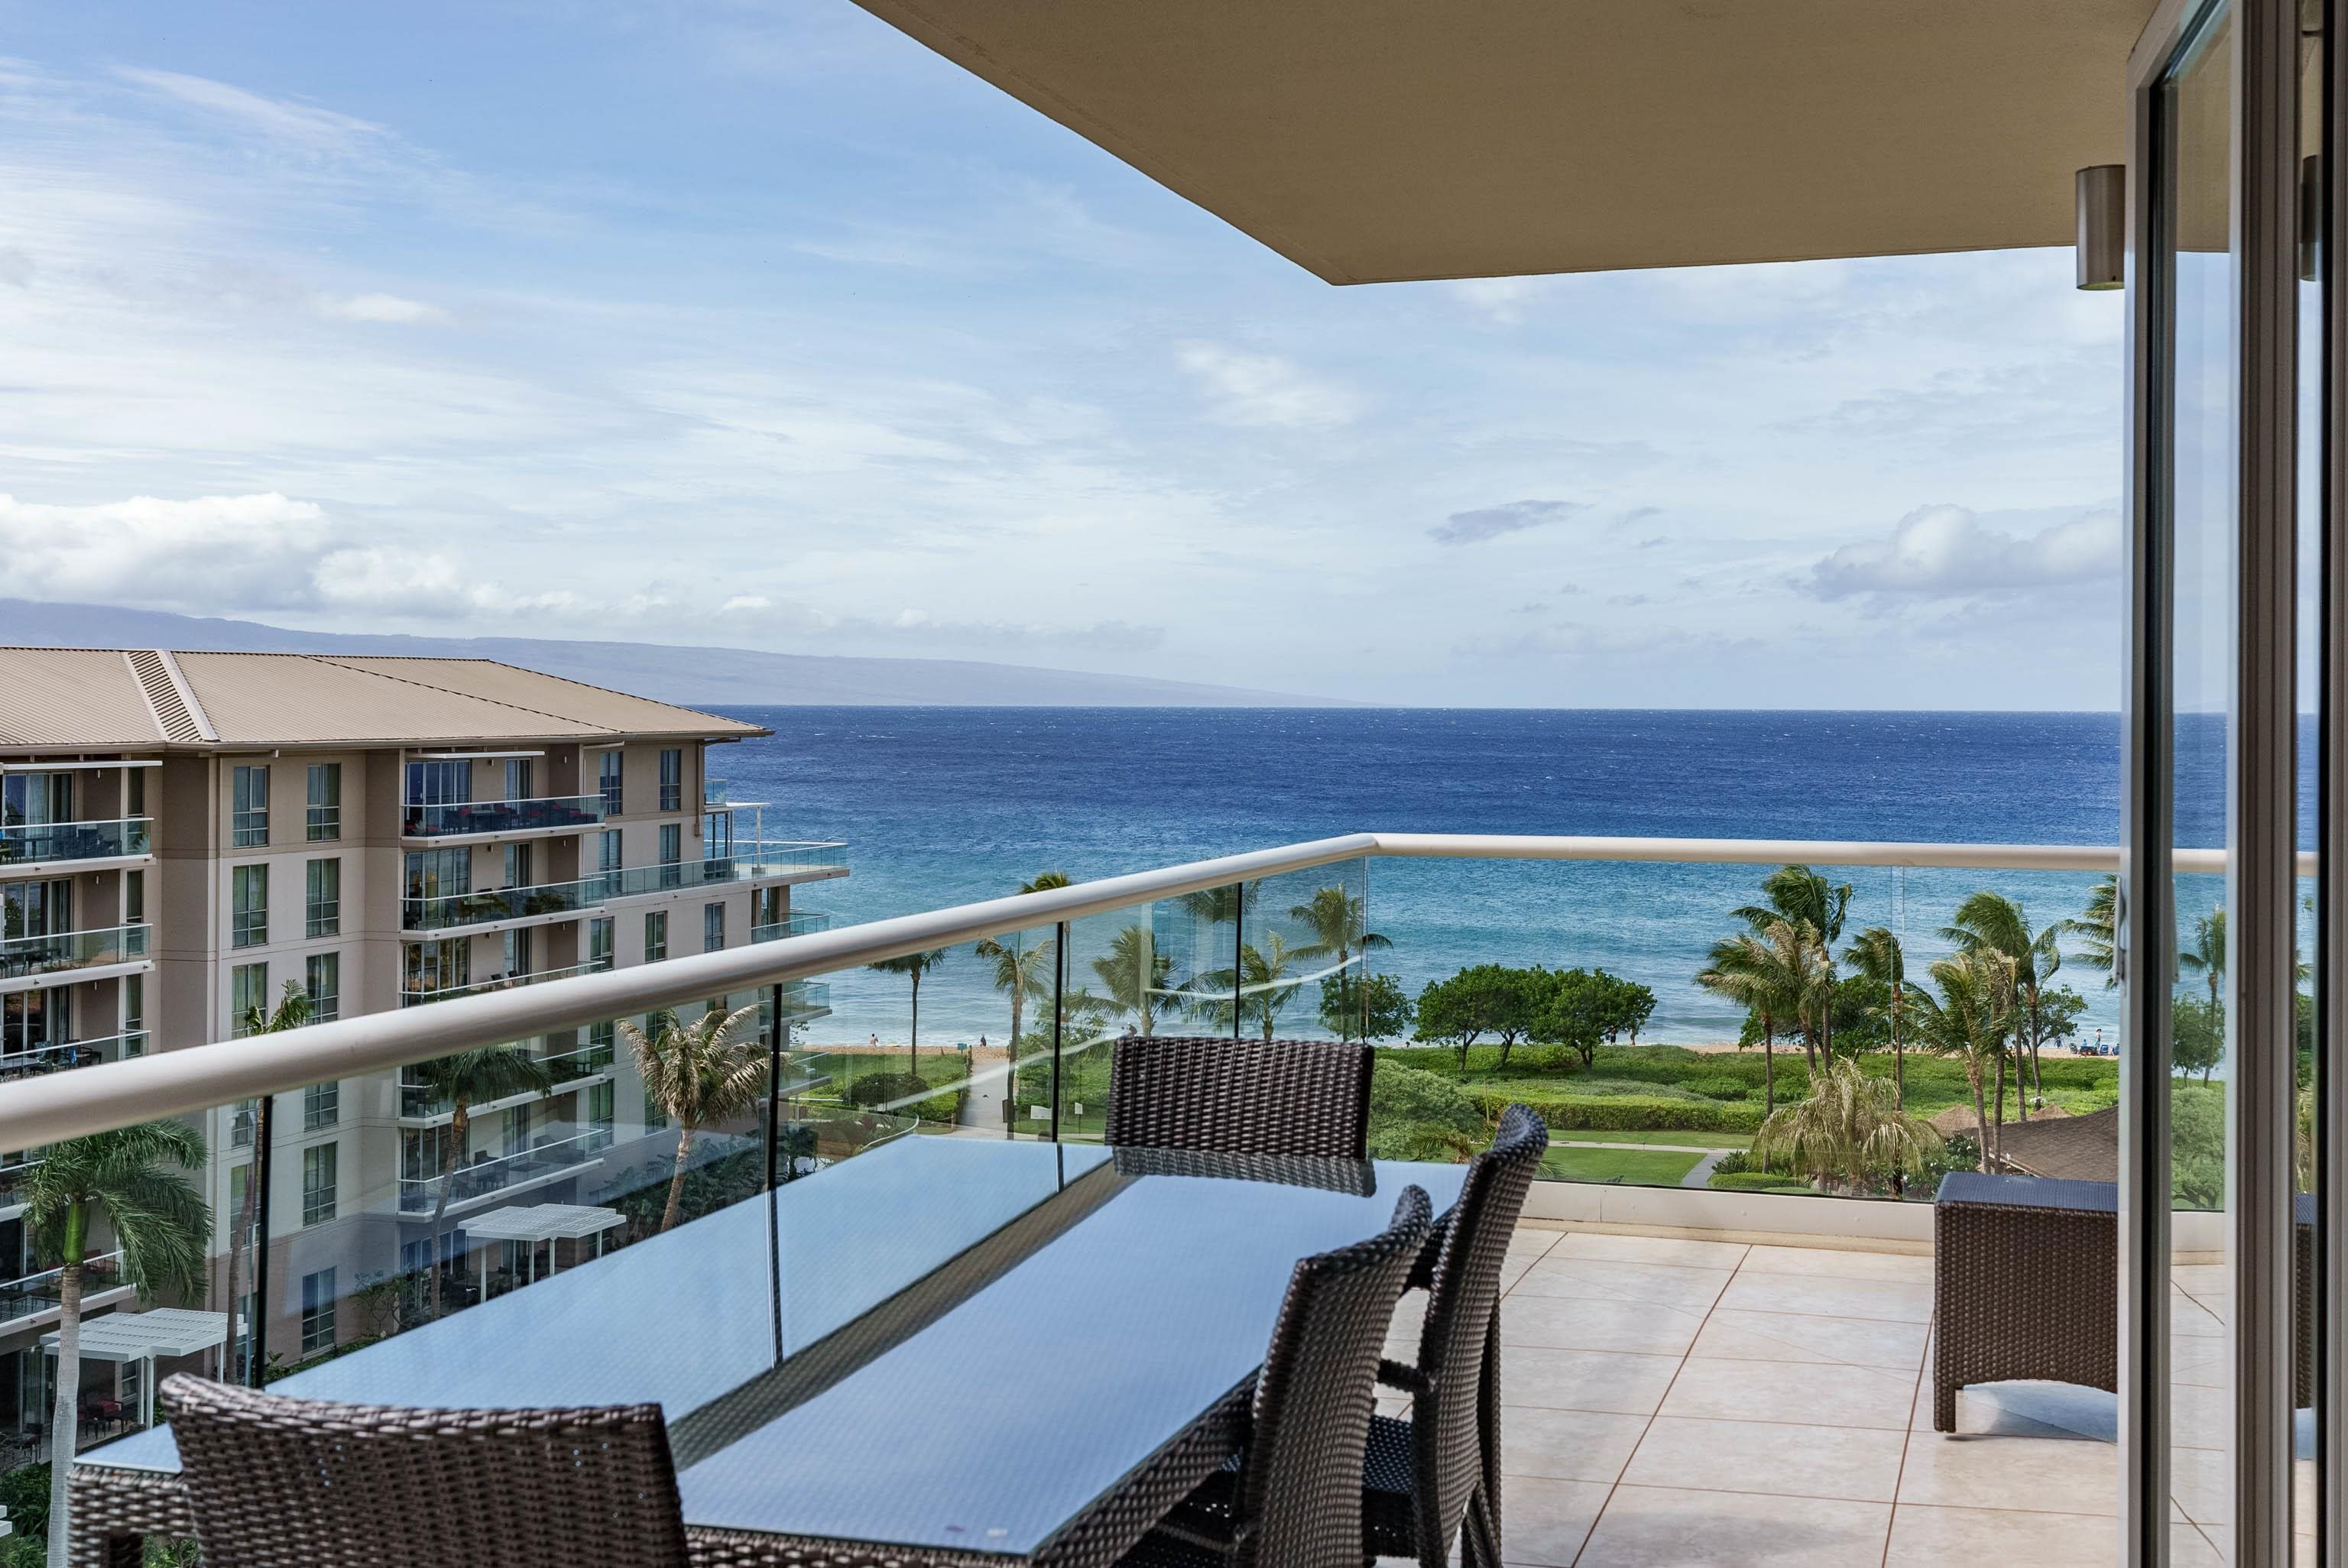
1756 1181
1626 1112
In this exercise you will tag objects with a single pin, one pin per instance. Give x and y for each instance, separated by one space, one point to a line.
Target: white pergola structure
166 1333
548 1223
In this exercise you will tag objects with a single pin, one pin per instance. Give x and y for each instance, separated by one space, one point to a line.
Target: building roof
1378 140
2065 1148
145 700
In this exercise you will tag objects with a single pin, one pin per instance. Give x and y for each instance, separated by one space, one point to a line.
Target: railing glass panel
44 842
24 957
459 817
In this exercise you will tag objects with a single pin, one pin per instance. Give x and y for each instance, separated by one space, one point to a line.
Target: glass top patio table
948 1343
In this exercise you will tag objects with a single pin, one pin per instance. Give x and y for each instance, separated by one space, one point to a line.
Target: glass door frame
2261 863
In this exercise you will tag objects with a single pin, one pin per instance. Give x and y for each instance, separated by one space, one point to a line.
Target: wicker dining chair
1241 1096
279 1482
1294 1498
1429 1475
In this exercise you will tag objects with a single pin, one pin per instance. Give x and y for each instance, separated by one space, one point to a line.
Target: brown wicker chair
1293 1500
2025 1284
1427 1475
303 1484
1240 1097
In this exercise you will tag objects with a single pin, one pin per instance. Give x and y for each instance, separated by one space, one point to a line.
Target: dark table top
945 1342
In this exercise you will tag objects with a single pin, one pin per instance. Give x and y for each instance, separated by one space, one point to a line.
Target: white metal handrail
175 1082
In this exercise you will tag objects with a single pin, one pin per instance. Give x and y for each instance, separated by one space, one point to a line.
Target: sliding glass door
2222 1233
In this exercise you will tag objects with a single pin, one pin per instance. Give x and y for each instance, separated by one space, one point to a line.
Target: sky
756 324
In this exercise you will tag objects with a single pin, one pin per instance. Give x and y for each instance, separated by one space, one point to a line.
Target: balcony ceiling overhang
1379 140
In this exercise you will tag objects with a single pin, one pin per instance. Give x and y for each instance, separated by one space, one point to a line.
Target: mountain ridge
671 672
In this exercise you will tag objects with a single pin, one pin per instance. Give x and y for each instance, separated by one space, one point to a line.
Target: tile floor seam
1599 1518
1907 1441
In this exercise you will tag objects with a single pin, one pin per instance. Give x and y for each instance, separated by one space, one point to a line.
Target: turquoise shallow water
942 805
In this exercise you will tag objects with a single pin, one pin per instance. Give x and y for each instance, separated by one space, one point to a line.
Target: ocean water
944 805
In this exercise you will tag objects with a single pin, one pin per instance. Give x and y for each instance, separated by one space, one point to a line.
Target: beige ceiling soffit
177 715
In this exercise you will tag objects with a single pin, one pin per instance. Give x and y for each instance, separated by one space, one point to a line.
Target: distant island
699 676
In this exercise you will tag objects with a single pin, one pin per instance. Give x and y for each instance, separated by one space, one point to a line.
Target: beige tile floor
1674 1402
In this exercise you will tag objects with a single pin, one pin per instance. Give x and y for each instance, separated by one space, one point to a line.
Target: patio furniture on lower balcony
1240 1096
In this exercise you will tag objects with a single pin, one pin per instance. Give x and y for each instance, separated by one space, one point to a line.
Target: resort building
188 837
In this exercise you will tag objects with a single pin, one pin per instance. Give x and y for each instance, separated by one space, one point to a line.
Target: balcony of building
1708 1352
415 992
34 849
67 956
460 822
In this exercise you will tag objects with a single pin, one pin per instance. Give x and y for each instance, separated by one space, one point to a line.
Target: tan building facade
367 833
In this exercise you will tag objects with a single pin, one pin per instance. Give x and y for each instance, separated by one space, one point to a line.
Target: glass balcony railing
449 910
714 792
452 818
37 1293
797 923
26 958
416 993
490 1173
747 863
41 843
43 1059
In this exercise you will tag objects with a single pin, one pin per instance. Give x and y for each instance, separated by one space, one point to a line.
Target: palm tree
916 965
2097 928
1045 881
2206 956
1769 973
1137 976
161 1223
701 1073
1849 1131
461 1078
1801 898
1970 1019
1023 971
1995 923
1876 954
292 1011
1334 917
1263 987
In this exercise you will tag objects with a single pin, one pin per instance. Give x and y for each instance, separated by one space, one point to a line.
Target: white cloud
297 125
1502 299
388 308
1943 550
1265 389
1492 522
251 551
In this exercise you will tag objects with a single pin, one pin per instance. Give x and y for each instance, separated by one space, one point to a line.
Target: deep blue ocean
944 805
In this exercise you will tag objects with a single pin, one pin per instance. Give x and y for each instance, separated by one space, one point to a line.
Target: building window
520 952
134 897
607 850
671 854
598 940
248 995
322 1105
607 779
520 866
672 769
600 1104
249 906
322 907
249 814
440 872
713 927
657 936
318 1292
519 779
438 966
134 1015
323 979
318 1184
655 1113
137 777
323 821
241 1123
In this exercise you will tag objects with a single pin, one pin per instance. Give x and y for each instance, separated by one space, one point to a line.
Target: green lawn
1696 1139
1638 1167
